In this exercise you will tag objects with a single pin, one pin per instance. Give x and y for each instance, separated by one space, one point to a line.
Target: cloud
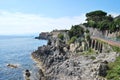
114 14
21 23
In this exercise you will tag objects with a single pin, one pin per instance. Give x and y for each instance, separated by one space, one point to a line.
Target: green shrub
76 30
61 36
116 49
89 52
114 72
93 57
87 31
72 40
88 37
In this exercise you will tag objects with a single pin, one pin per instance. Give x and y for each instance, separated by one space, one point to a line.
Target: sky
19 17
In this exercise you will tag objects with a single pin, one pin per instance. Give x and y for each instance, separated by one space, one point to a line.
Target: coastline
41 71
39 63
61 59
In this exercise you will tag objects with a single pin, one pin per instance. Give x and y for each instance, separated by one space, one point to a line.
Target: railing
109 41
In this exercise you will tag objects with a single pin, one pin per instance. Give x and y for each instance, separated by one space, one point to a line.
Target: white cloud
114 14
20 23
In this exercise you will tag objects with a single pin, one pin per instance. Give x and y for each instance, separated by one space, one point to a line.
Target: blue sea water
17 50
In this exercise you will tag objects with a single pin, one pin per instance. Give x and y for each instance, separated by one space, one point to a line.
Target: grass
93 57
72 40
114 72
116 49
89 52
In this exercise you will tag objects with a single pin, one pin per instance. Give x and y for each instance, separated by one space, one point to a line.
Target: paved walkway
107 41
111 42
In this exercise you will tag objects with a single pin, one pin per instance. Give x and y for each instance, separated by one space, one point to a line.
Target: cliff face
60 61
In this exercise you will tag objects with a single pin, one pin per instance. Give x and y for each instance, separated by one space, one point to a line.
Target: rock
103 69
41 75
12 66
72 47
65 49
49 42
59 63
27 74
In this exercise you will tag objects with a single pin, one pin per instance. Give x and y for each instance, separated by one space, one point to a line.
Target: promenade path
111 42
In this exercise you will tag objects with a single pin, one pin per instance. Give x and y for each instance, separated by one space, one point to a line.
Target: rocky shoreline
59 63
82 53
56 65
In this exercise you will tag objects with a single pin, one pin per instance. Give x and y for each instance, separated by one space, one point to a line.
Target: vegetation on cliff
100 20
61 36
116 49
72 40
114 71
76 31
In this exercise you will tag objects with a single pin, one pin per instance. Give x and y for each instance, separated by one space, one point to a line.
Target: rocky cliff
61 61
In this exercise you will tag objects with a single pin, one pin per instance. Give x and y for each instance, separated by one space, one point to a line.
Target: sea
16 50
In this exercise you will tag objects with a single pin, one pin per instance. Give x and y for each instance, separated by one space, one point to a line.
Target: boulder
12 66
27 74
103 69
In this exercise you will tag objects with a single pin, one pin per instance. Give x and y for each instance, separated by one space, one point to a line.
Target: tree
103 25
92 24
76 31
96 15
100 20
117 23
109 18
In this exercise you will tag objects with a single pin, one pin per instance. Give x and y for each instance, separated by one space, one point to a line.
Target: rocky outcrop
103 69
12 65
50 56
60 61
